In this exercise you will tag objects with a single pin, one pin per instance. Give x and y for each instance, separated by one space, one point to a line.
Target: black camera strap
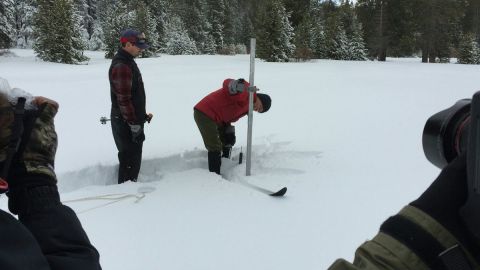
15 139
424 245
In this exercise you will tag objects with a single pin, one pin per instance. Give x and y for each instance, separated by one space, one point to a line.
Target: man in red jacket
215 113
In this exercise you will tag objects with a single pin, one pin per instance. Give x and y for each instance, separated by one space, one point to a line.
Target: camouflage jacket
388 253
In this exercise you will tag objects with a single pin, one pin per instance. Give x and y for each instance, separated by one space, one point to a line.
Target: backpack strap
427 248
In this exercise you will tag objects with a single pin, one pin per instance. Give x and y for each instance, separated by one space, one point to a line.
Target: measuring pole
251 89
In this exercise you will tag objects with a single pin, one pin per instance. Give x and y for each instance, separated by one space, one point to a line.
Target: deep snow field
344 137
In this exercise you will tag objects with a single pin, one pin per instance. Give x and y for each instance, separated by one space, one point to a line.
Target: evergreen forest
286 30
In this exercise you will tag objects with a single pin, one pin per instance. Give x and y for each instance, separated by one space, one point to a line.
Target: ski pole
103 120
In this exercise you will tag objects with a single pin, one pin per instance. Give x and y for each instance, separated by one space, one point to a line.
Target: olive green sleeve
384 252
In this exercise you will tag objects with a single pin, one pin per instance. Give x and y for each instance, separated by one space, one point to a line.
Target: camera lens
445 135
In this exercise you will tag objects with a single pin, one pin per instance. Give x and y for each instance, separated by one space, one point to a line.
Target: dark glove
236 86
137 133
148 117
229 136
444 198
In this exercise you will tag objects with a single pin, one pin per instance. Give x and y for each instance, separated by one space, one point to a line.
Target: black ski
278 193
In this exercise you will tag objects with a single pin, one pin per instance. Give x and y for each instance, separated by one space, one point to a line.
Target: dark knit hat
266 101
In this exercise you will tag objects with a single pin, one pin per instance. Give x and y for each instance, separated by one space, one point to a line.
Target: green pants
212 133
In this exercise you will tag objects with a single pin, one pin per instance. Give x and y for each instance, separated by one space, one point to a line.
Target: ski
278 193
237 160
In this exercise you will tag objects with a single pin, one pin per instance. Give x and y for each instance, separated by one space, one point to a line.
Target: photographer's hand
444 199
446 195
33 195
42 101
36 154
427 234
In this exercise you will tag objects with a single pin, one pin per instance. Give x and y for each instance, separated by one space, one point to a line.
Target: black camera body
453 132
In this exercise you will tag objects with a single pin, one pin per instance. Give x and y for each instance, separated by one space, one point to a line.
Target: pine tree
160 10
144 23
80 9
347 16
7 22
356 45
319 41
96 40
298 9
337 46
340 49
57 33
401 30
102 9
231 23
209 47
246 31
87 10
24 11
303 40
198 26
469 51
239 24
274 33
471 21
177 40
216 16
375 17
116 20
439 22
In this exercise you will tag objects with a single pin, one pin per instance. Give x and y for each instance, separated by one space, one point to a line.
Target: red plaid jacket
121 79
127 91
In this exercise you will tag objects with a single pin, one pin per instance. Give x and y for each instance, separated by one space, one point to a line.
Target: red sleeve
239 97
122 86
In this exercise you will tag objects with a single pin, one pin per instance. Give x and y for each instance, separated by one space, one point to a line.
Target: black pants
129 152
51 239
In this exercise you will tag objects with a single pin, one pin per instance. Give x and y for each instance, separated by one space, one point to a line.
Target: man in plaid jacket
128 113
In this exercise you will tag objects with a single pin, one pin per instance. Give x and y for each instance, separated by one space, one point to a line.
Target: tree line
286 30
436 30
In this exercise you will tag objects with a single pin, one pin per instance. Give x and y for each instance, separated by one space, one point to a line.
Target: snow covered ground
344 137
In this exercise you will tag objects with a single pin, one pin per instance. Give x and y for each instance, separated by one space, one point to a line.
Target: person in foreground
215 113
47 234
428 233
440 230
